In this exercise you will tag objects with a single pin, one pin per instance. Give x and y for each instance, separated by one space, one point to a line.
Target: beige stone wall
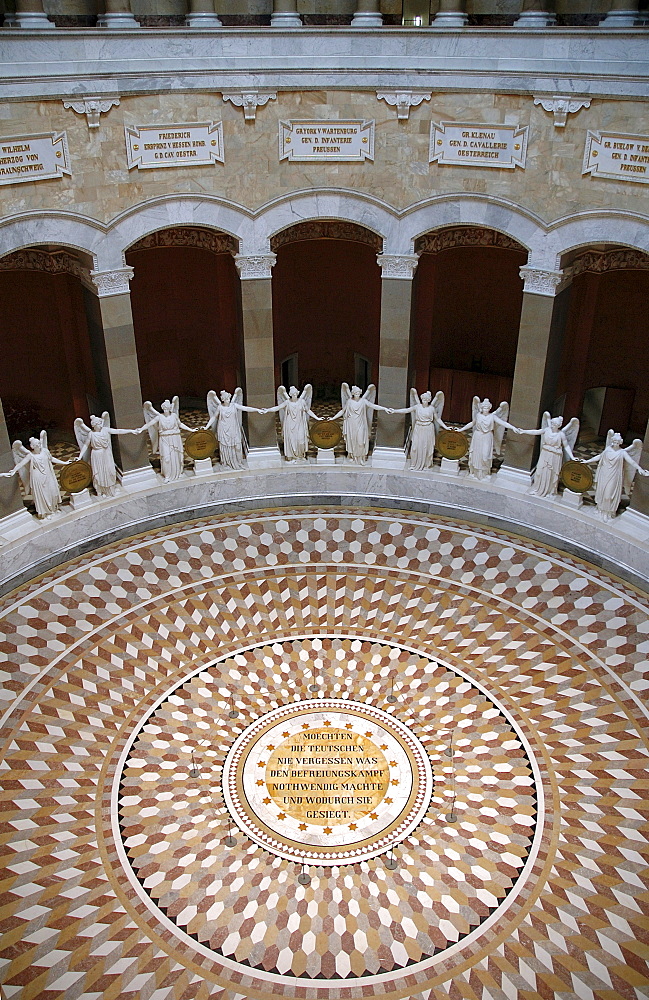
101 187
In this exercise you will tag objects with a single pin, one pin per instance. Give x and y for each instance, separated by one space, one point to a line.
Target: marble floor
529 664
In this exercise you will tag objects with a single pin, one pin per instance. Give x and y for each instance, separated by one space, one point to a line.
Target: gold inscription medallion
76 476
200 444
324 776
326 434
576 477
452 444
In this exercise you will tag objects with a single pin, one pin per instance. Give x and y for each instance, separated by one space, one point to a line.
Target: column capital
541 282
112 282
397 265
259 265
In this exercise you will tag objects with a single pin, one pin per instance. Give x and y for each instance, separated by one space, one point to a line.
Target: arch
472 210
577 231
61 229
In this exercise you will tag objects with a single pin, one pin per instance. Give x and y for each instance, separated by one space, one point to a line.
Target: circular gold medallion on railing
452 444
200 444
76 476
576 476
326 434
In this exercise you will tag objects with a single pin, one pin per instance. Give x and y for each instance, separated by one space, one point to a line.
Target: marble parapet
89 62
620 546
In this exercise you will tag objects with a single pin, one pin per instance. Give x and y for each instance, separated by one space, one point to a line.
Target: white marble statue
555 440
96 441
225 416
36 469
356 412
164 430
488 432
426 418
616 469
294 412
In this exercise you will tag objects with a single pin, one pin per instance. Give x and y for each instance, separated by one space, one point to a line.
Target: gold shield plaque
452 444
326 434
200 444
576 476
75 477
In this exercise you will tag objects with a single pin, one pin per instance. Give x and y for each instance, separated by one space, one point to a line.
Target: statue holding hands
488 433
36 470
554 442
356 412
294 412
427 417
616 469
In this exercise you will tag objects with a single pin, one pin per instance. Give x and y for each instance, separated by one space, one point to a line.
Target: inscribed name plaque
620 157
343 141
34 157
468 145
194 144
327 781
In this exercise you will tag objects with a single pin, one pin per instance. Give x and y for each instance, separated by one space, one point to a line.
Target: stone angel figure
95 441
616 469
426 418
164 431
225 416
294 412
356 412
488 433
36 470
555 440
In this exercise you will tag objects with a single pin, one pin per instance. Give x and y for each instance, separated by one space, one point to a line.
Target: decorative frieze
470 144
112 282
403 100
326 229
465 236
398 265
618 156
561 105
92 108
540 282
40 157
190 144
55 262
249 100
252 266
188 236
598 262
342 141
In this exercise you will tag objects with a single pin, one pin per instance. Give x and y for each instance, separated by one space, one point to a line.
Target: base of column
33 20
203 467
326 456
575 500
264 458
450 467
450 19
81 499
204 19
511 478
387 458
535 19
9 21
17 524
367 19
285 19
139 479
117 21
621 19
632 522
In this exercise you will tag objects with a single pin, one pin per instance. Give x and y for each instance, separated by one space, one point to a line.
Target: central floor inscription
324 775
328 781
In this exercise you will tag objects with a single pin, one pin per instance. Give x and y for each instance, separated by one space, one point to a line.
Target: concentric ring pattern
561 647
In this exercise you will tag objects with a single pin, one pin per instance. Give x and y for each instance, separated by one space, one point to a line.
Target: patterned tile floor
89 648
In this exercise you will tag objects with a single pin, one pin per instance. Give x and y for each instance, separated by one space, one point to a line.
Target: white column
450 14
622 14
367 15
201 14
535 14
117 15
285 14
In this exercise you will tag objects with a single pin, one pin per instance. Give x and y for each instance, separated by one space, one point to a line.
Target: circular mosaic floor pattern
541 649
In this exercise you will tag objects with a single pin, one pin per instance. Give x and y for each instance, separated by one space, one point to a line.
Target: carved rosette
255 265
465 236
188 236
112 282
403 100
398 265
561 105
540 282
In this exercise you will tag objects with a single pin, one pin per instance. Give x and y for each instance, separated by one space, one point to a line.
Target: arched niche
326 305
48 375
185 299
604 370
467 299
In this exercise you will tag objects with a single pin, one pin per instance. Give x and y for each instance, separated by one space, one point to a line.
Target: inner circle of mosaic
115 892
